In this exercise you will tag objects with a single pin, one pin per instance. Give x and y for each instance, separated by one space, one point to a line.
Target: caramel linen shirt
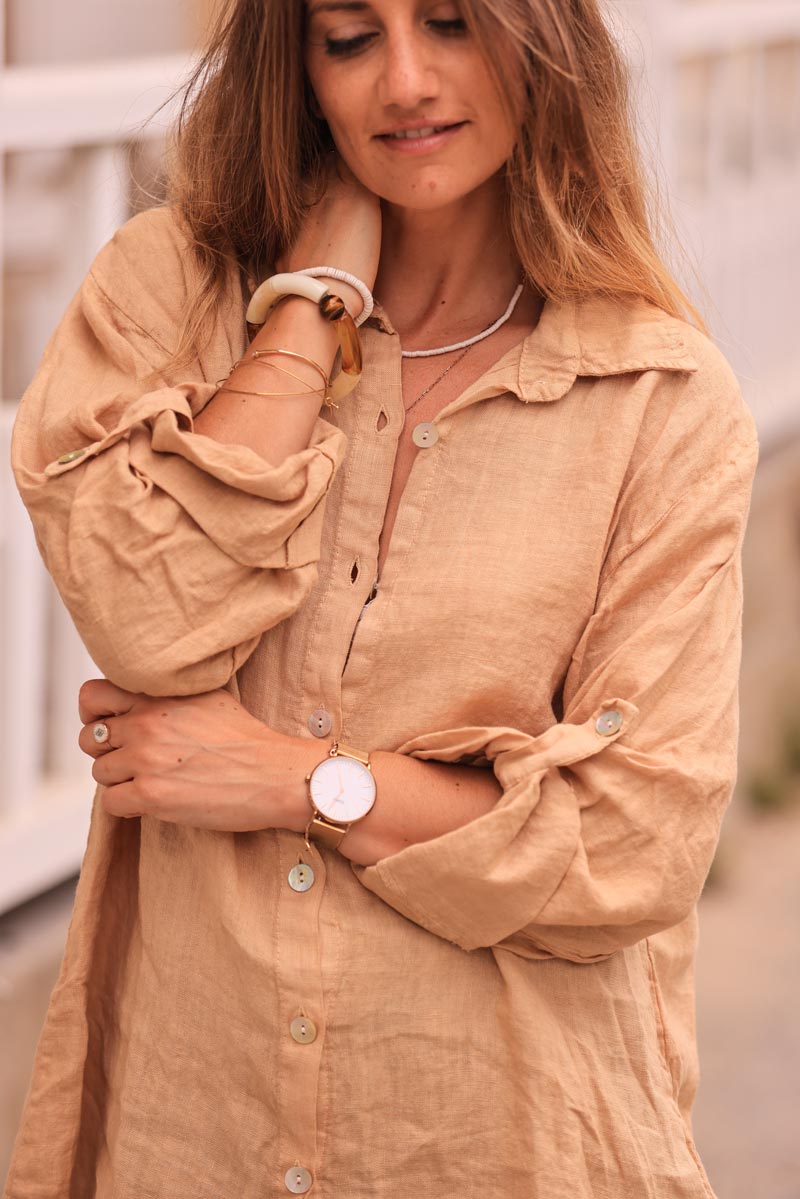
506 1009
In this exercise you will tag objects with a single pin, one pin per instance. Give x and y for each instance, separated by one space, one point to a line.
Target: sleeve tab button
608 723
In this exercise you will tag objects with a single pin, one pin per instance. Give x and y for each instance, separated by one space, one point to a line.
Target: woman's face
382 68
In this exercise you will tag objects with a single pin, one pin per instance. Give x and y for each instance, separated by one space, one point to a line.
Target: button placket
333 610
300 991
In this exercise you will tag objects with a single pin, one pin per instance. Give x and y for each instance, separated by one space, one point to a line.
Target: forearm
276 427
416 801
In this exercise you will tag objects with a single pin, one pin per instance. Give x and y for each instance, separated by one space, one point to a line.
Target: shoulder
148 272
680 384
153 248
711 417
712 393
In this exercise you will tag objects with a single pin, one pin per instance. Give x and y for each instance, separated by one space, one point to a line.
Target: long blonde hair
249 151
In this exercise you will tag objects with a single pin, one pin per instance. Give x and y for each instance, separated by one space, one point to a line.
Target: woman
490 601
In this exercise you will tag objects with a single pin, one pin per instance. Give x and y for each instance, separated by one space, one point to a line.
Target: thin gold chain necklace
439 378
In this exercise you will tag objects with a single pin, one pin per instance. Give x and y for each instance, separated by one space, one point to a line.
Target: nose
409 75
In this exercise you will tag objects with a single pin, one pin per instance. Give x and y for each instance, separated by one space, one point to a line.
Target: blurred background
718 94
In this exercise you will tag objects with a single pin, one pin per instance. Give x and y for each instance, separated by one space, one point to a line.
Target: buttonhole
354 571
382 421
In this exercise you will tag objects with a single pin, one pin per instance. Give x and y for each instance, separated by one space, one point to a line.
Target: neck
449 272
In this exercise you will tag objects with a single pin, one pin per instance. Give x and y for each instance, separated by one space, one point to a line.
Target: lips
419 131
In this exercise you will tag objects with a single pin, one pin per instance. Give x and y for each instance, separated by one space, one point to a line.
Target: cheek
499 124
344 124
336 99
502 118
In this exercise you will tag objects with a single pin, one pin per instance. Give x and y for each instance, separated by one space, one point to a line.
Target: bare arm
416 801
276 428
342 230
214 765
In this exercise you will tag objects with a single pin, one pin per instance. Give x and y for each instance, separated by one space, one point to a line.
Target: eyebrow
338 6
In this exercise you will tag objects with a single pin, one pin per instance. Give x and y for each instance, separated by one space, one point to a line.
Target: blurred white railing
85 104
721 96
90 111
45 785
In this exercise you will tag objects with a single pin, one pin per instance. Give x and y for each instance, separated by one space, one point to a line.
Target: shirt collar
596 337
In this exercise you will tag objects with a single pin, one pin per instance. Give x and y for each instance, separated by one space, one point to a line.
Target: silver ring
100 733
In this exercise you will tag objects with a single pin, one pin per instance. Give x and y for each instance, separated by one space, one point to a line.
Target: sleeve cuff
260 514
478 884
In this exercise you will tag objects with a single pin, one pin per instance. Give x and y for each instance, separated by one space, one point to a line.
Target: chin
425 194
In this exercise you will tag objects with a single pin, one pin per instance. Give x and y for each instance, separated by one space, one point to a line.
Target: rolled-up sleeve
609 819
172 552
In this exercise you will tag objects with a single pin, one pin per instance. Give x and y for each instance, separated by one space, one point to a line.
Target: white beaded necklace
461 345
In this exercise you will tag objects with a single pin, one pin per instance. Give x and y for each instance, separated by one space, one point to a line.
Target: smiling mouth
418 134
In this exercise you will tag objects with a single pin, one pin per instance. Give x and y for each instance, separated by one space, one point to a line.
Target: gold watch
341 789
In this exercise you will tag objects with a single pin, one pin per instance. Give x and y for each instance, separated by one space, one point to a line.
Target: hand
200 760
342 230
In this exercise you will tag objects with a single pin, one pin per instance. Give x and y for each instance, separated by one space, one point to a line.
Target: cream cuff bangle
332 272
331 308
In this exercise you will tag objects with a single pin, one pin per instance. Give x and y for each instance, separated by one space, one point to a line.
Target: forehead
354 6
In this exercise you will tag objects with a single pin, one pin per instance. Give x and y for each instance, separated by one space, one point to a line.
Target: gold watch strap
321 832
348 752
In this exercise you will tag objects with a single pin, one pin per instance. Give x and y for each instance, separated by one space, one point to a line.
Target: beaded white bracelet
332 272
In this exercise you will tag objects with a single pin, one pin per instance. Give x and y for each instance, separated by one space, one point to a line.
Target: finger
121 733
114 768
99 697
88 737
122 800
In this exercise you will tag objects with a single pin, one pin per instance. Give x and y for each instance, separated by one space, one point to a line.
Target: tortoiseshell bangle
331 307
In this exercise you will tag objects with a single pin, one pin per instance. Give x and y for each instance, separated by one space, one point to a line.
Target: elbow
146 643
168 672
587 943
602 926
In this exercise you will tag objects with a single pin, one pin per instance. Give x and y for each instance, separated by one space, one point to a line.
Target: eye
450 28
342 47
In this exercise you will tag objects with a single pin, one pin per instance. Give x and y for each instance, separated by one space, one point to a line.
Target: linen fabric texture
506 1009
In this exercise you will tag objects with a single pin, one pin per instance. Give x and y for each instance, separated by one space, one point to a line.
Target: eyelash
344 47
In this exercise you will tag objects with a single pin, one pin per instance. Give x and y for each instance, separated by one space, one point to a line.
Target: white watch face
342 789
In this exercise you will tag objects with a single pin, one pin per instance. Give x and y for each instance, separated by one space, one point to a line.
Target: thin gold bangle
331 308
255 356
222 384
240 391
325 389
328 402
298 378
326 399
258 354
310 391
